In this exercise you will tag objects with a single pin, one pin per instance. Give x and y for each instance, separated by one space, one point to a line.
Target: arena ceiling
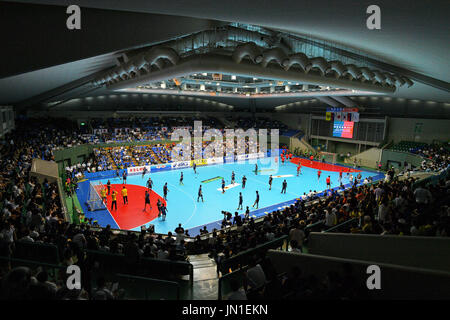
129 47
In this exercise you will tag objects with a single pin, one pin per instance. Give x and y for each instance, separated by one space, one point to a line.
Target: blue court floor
182 202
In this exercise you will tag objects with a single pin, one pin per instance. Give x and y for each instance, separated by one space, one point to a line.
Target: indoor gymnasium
224 150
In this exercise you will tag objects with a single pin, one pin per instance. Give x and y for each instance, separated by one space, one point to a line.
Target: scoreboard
343 129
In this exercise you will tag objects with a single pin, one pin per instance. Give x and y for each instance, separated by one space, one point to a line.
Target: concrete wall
390 155
420 252
368 158
342 147
397 282
302 144
431 129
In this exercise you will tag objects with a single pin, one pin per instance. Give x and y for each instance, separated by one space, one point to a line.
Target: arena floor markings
182 205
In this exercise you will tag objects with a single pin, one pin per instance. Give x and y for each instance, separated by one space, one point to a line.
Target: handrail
165 282
119 275
38 263
246 252
155 260
224 277
341 224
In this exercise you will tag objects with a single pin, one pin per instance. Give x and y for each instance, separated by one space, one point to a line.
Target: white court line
230 186
189 196
106 206
251 177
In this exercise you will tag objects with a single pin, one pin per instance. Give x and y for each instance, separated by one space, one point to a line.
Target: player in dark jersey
240 201
284 187
181 179
159 204
194 166
200 194
149 183
144 172
165 190
108 185
244 181
163 212
124 177
247 213
233 176
223 185
147 200
256 201
256 168
270 182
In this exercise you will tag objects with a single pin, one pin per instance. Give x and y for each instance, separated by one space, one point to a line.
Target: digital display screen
343 129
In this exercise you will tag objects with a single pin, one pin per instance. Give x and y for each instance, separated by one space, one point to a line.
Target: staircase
206 280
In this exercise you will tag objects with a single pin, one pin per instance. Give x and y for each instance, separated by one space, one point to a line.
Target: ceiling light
204 74
233 77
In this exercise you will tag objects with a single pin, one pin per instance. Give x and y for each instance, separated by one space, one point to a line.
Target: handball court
182 204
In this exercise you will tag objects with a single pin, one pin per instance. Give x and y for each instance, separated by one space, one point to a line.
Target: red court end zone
129 216
322 166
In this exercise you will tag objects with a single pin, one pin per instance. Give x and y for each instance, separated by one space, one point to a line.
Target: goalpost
94 200
329 157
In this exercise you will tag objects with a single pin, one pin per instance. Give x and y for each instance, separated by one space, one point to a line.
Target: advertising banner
180 165
161 167
138 170
215 160
199 162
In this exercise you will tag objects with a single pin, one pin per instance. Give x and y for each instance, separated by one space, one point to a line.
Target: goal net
329 157
94 200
